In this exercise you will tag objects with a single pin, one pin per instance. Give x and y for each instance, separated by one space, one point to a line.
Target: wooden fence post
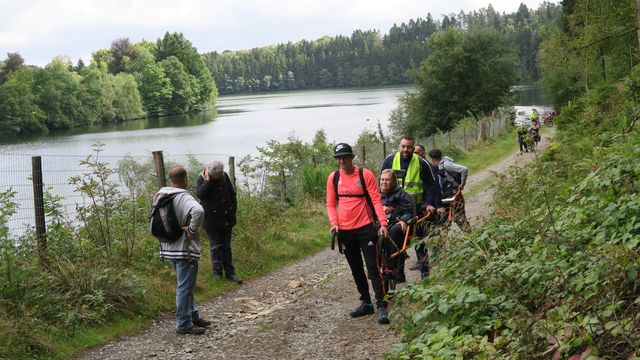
464 137
449 132
364 155
313 161
283 187
433 141
232 171
384 149
161 177
38 204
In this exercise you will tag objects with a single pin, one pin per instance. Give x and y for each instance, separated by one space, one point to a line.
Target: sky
43 29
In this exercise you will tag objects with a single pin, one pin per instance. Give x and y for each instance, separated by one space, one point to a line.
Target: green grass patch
491 152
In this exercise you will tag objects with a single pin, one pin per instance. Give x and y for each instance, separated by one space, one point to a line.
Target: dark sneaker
235 279
383 317
202 323
194 330
362 310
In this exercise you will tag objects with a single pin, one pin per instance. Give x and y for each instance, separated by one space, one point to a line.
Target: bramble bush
554 272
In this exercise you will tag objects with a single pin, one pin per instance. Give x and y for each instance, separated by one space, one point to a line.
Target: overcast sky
42 29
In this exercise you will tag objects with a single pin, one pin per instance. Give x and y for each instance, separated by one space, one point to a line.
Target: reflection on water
530 96
183 120
326 105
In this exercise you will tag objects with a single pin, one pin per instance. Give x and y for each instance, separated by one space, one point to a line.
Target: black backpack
164 223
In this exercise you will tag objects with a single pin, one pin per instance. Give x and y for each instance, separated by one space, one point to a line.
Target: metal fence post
38 202
158 159
232 170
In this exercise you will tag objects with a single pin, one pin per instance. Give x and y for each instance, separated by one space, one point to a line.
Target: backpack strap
366 195
336 178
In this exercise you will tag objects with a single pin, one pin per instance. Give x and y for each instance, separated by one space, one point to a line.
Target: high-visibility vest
412 181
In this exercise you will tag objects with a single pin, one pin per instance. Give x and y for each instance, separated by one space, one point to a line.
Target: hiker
452 178
420 151
534 115
354 220
417 178
522 141
534 130
185 251
397 205
218 198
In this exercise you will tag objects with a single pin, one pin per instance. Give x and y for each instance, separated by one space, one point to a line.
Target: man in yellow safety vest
417 178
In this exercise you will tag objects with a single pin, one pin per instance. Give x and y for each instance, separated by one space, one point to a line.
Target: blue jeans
220 245
186 273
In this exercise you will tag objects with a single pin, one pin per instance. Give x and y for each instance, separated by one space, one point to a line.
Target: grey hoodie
452 168
185 206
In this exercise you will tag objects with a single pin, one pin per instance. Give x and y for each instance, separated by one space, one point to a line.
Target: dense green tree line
126 81
369 58
595 44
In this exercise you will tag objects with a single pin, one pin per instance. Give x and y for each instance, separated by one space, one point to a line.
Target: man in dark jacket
218 198
398 206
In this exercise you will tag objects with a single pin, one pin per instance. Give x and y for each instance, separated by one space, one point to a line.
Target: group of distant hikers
360 209
358 205
528 138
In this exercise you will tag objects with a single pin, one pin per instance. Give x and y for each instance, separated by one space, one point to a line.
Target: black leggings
363 241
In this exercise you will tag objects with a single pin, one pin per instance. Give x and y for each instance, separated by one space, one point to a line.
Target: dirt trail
298 312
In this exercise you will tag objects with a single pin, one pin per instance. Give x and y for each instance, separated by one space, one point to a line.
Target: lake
241 123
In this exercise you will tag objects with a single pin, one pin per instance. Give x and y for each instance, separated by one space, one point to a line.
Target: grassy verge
493 151
264 240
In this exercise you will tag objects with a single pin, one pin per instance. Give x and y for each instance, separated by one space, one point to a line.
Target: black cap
342 149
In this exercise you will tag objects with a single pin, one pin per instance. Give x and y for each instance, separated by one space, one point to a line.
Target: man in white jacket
185 251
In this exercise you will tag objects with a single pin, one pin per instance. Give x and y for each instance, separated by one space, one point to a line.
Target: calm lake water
241 123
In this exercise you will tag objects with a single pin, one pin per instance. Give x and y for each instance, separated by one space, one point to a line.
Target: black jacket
219 202
402 204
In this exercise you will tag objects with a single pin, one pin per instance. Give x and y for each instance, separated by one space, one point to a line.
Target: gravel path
297 312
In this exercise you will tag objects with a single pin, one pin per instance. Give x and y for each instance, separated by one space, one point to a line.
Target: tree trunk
638 20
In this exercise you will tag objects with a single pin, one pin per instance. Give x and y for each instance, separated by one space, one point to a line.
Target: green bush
555 269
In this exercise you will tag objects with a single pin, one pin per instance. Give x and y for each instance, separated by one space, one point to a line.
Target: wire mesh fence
63 175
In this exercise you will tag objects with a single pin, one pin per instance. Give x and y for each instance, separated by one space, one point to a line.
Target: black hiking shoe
194 330
362 310
202 323
383 317
234 279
